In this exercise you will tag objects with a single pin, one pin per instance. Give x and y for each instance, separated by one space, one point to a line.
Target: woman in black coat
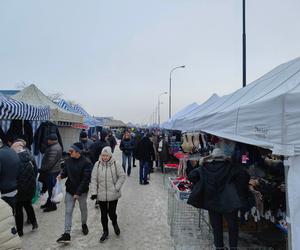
26 185
221 187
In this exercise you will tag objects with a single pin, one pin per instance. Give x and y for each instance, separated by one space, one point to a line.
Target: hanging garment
2 135
40 136
196 140
20 129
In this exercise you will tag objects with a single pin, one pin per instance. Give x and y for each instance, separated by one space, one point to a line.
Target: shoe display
85 229
65 238
104 237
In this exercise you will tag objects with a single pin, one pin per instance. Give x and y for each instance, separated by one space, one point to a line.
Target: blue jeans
51 181
126 158
144 171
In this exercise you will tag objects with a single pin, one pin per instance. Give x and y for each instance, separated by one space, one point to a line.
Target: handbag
196 196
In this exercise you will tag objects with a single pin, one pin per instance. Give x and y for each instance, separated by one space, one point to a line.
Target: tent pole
286 171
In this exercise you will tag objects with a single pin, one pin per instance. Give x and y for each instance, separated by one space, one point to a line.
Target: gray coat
51 159
107 180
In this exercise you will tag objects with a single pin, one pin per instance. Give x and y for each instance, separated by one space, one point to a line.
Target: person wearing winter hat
77 170
108 178
86 143
26 185
51 168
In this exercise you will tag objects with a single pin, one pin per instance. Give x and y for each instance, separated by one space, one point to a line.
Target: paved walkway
142 216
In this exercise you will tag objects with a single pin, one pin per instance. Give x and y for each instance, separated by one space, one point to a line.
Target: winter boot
104 237
65 238
116 228
47 204
50 208
85 229
34 226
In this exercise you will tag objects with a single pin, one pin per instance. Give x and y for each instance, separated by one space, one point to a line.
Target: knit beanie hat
106 151
77 146
83 134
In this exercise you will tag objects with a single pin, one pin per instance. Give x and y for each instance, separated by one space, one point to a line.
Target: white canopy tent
266 113
180 123
182 113
33 96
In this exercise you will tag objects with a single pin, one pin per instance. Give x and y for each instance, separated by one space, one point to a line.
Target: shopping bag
57 194
36 194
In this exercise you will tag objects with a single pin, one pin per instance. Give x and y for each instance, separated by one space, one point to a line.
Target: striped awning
88 119
11 109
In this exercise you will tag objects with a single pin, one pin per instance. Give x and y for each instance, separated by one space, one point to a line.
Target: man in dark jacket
112 141
127 146
219 195
9 165
97 146
51 168
78 171
145 154
86 143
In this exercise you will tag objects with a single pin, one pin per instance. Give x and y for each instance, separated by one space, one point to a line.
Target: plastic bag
36 194
57 194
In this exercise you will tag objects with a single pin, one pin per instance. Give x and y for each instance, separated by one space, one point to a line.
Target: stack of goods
182 187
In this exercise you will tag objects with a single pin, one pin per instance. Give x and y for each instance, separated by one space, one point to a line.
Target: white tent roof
265 113
182 113
33 96
181 122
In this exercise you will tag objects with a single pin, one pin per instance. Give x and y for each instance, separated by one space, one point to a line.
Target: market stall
266 114
67 122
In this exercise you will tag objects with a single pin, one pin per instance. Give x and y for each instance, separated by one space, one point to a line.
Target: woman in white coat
8 240
106 183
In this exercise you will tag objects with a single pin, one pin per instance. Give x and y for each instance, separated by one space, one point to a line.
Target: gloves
93 197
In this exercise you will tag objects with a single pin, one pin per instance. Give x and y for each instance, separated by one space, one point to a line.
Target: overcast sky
114 57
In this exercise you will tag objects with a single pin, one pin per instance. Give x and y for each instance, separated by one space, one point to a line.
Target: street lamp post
244 44
170 88
158 106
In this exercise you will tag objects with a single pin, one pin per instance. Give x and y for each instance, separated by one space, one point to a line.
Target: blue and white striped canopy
88 119
11 109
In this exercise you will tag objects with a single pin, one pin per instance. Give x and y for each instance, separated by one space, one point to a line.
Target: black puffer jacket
51 159
127 146
145 150
96 149
78 171
26 180
217 175
9 165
